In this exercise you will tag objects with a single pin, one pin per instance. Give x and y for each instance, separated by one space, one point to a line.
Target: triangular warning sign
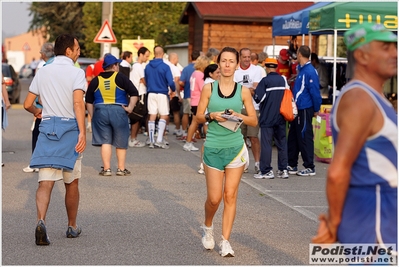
105 35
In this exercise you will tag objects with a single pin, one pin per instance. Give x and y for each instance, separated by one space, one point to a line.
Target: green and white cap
367 32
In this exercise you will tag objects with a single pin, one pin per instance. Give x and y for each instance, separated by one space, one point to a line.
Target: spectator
255 61
126 65
5 104
89 77
137 78
185 83
293 68
211 74
249 76
110 97
212 54
33 65
268 95
158 78
284 64
47 55
175 97
262 59
308 100
196 85
322 73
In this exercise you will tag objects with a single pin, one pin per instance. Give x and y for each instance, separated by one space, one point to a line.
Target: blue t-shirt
185 77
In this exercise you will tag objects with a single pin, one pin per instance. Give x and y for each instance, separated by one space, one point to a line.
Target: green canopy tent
339 17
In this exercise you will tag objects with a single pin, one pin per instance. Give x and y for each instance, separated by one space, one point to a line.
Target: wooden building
235 24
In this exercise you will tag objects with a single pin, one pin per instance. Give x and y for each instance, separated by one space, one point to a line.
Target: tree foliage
149 20
57 18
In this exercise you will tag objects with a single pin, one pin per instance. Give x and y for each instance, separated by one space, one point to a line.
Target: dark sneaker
72 233
106 172
292 170
41 234
307 172
125 172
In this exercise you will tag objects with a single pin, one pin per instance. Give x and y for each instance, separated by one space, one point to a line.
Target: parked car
85 61
25 72
12 83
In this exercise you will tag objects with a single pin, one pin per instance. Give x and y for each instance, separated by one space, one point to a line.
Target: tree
55 18
149 20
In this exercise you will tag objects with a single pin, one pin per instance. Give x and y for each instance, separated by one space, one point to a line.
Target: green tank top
217 136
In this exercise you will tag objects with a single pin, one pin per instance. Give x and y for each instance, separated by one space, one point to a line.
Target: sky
15 18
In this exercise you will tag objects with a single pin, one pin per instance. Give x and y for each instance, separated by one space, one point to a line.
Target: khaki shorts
158 104
51 174
223 158
186 106
250 131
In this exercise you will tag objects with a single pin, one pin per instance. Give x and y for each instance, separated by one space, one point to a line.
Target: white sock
161 130
151 130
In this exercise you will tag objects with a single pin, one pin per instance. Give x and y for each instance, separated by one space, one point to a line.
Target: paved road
153 216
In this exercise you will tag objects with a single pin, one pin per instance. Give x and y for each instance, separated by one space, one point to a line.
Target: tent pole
335 66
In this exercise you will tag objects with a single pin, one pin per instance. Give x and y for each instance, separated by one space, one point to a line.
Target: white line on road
312 216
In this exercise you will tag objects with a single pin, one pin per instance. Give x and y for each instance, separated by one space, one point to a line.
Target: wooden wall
217 34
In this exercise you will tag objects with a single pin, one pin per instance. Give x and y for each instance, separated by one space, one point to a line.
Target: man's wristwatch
208 117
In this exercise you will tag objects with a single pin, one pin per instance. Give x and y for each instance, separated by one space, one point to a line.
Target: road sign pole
106 15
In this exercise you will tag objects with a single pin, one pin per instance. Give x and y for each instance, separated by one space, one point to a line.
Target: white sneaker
178 133
225 248
282 174
136 143
190 147
29 169
201 169
207 237
88 129
269 175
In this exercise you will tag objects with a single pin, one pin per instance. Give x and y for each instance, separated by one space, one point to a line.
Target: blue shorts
110 125
375 210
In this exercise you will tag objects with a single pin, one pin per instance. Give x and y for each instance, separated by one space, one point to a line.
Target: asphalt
153 217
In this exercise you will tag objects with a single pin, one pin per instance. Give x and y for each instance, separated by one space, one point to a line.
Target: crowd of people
216 89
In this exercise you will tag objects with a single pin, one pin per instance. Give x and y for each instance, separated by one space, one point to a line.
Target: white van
274 51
